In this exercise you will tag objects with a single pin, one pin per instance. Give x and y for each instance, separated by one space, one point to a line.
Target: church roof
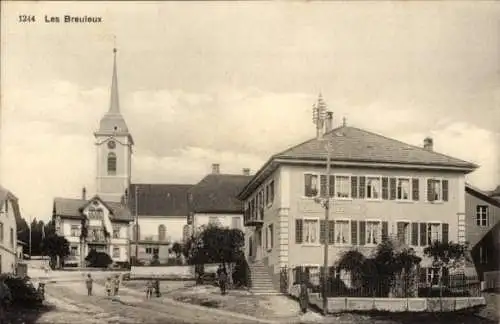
113 123
353 146
160 199
70 208
217 193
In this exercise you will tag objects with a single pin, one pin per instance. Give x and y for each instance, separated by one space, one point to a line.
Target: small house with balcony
106 224
160 214
379 187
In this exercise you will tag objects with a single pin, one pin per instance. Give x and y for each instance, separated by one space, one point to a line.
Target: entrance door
251 252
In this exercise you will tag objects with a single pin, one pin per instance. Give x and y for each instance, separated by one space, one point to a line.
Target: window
236 222
116 232
271 192
11 237
403 189
404 232
342 232
111 163
310 231
7 208
311 185
116 252
213 220
269 237
437 190
152 250
136 232
433 232
1 232
482 215
73 251
75 230
483 255
373 232
342 187
373 187
162 232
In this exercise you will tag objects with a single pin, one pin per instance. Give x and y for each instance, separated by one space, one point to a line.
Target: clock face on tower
111 145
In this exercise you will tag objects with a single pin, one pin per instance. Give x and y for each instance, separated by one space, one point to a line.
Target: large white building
9 212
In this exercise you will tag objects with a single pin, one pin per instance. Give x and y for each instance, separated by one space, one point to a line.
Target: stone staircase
262 283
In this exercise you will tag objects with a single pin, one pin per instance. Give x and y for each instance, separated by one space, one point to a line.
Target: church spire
114 105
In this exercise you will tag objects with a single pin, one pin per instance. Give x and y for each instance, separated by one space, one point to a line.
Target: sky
234 82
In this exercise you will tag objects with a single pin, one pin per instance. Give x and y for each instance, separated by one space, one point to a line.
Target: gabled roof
70 208
7 194
160 199
480 194
217 193
353 146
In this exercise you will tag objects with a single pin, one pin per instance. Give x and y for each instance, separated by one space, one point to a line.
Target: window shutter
393 188
322 231
362 185
445 190
400 229
307 185
445 228
332 186
298 231
322 185
423 234
415 189
429 190
423 275
354 232
354 187
331 232
362 233
414 234
385 188
385 231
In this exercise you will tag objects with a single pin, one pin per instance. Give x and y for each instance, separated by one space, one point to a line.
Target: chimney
246 171
215 168
428 144
328 121
84 193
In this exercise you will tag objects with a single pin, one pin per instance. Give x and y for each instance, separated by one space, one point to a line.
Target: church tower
114 149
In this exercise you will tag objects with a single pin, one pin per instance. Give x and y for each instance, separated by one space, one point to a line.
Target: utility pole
136 223
30 237
327 227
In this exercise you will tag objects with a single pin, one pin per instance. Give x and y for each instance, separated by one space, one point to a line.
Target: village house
483 229
9 212
160 217
107 224
380 187
214 200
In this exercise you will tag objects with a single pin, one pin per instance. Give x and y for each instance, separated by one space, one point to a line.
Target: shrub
22 290
98 259
155 260
241 273
135 262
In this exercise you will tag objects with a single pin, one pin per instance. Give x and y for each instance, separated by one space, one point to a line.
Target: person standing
222 274
108 286
149 289
5 299
116 284
89 283
303 297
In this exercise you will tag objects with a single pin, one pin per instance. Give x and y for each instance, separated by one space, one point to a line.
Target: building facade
483 229
379 188
214 200
107 225
9 212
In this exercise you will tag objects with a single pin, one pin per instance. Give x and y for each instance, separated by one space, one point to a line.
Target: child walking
108 286
149 289
116 284
88 282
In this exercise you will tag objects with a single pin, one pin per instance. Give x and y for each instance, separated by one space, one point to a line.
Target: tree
98 259
57 247
446 256
177 249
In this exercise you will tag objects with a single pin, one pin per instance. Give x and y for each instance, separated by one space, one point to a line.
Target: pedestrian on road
89 281
116 284
222 275
303 297
108 286
149 289
5 299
